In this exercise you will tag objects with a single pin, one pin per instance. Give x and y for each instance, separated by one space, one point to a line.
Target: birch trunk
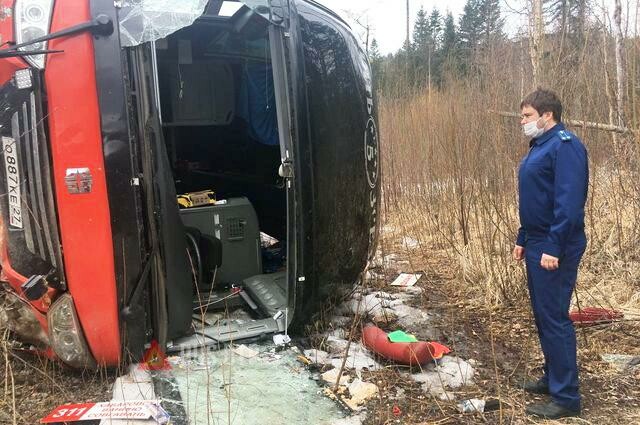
537 40
605 58
620 71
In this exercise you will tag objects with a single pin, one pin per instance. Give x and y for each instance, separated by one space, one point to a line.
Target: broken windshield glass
147 20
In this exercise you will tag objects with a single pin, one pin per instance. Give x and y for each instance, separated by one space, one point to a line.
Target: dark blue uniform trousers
550 293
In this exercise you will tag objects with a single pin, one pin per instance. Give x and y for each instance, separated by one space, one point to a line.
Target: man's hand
518 253
549 263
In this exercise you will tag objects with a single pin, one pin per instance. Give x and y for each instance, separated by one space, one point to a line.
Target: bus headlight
32 19
65 334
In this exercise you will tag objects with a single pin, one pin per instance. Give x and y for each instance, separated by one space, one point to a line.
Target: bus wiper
14 53
100 25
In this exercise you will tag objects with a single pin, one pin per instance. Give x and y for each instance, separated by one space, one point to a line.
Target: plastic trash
474 405
281 340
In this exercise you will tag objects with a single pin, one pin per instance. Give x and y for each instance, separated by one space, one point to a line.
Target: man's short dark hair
544 101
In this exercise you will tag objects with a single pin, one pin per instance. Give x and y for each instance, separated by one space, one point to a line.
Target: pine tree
434 55
491 21
449 37
469 27
569 16
375 59
420 47
435 29
421 31
481 24
374 51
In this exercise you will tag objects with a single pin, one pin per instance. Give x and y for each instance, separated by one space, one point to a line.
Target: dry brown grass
449 168
502 338
450 183
33 386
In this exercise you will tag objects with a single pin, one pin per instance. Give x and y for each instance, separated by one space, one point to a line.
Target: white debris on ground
451 372
331 376
380 307
622 362
383 307
389 262
279 370
246 352
359 358
360 392
471 406
410 243
317 356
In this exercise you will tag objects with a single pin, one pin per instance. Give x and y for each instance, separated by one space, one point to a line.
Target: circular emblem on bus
372 165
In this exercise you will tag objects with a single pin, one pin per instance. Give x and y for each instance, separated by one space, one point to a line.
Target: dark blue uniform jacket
553 181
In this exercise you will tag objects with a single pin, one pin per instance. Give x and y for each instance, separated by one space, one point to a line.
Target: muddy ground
502 342
33 386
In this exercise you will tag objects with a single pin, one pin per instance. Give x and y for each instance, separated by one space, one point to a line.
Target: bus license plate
13 181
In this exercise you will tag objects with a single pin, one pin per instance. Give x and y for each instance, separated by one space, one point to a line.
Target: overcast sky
387 18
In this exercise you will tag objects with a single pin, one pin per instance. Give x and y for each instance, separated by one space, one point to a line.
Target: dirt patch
503 345
32 386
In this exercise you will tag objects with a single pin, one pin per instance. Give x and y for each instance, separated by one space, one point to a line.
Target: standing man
553 180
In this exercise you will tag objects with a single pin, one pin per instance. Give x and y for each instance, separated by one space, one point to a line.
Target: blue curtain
257 103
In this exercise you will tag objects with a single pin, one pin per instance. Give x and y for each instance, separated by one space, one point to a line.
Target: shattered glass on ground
235 387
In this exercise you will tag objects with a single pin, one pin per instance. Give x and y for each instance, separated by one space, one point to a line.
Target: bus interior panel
219 123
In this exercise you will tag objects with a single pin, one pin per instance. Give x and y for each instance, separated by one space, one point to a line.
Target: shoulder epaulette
564 135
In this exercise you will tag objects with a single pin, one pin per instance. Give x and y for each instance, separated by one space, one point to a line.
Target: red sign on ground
93 411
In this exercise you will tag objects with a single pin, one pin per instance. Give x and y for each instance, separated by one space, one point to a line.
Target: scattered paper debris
246 352
331 376
406 279
360 393
387 228
280 339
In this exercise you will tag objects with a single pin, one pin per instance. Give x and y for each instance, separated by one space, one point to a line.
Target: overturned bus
168 162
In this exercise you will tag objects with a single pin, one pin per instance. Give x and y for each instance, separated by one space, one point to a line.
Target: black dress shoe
550 411
536 387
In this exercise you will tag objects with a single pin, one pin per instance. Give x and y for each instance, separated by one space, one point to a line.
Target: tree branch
579 123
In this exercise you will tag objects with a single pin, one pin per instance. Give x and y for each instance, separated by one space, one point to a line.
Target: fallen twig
579 123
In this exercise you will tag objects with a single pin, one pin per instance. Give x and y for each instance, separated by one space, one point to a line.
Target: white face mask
532 130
